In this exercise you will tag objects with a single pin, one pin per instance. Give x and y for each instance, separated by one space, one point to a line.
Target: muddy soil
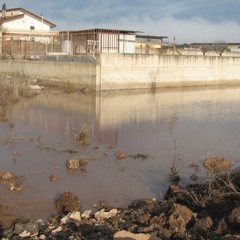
209 210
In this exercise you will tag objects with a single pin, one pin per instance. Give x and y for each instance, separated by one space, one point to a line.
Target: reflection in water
202 122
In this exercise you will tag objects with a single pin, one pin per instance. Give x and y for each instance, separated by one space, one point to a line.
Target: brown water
202 122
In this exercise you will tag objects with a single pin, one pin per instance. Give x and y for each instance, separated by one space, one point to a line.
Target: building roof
24 11
103 30
150 36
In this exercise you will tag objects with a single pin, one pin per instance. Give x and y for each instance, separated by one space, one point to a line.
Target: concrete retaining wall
80 75
120 71
131 71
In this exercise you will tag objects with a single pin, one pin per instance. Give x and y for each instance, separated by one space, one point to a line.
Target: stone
42 237
68 202
56 230
6 175
75 216
202 226
24 234
121 155
217 165
28 227
234 217
124 235
75 163
106 215
180 217
65 219
53 178
72 163
87 214
231 237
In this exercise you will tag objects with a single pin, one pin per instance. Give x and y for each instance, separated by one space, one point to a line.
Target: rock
24 234
42 237
18 228
203 226
65 219
6 175
100 215
234 218
68 202
87 214
75 163
124 235
72 163
53 178
217 165
180 218
231 237
28 228
121 155
56 230
75 216
151 228
35 87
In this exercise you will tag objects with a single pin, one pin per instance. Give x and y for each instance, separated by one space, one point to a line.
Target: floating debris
140 155
217 165
53 178
77 163
121 155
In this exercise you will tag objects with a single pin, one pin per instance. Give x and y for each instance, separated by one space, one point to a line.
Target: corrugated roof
150 36
103 30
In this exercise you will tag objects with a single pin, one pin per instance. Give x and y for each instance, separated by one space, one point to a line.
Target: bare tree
220 47
206 47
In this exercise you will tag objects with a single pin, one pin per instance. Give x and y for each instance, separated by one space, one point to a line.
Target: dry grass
11 91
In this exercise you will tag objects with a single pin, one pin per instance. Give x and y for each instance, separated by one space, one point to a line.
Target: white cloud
185 31
154 17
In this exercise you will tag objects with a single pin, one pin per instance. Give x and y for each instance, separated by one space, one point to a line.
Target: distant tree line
219 47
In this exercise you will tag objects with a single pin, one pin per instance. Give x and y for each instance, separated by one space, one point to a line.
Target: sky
187 20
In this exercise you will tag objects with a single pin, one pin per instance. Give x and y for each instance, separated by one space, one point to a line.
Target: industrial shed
98 40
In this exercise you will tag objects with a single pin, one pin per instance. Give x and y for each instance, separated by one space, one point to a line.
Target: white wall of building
26 23
127 43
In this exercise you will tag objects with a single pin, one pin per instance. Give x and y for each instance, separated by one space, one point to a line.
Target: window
32 28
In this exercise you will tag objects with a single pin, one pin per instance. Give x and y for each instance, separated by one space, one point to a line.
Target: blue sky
187 20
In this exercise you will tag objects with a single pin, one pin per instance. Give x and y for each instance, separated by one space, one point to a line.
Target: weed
82 136
174 176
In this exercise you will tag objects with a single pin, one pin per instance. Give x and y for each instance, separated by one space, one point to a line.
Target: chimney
4 10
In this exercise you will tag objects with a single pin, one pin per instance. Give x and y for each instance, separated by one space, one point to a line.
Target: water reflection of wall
103 113
208 104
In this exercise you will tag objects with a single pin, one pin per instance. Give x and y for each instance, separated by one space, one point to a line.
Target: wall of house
25 23
131 71
127 43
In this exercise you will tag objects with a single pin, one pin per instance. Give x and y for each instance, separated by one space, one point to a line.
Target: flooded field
189 125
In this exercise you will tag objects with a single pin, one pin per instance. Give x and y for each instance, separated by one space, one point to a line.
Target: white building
20 19
98 40
23 33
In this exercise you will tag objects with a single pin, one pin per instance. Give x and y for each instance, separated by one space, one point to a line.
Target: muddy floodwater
40 136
